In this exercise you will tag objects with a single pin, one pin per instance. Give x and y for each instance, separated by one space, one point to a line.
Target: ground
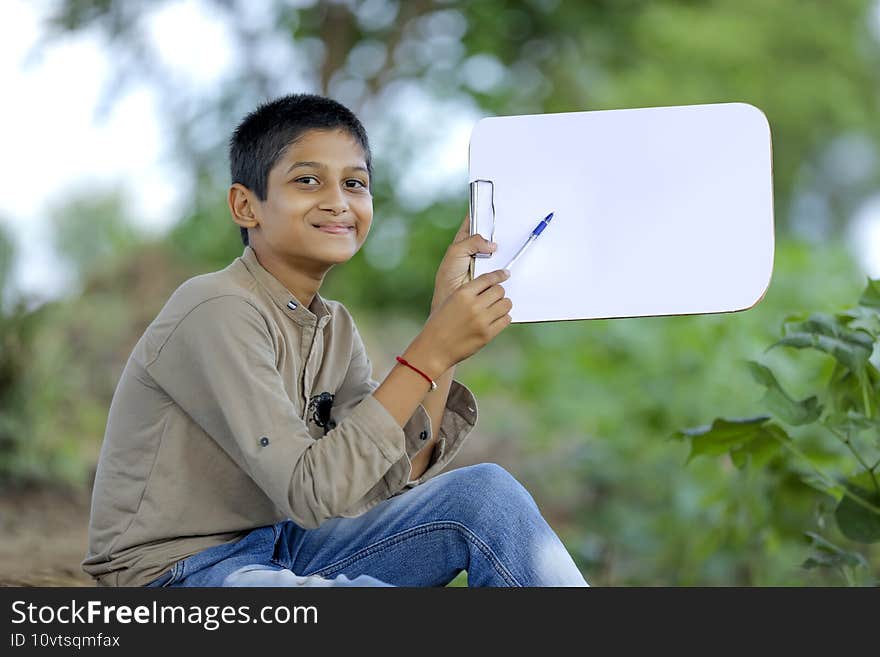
43 537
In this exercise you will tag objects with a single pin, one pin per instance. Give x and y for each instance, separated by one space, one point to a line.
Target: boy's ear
242 205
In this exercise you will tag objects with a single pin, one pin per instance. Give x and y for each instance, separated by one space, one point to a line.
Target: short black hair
264 135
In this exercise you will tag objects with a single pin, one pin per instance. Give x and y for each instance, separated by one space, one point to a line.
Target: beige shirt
219 424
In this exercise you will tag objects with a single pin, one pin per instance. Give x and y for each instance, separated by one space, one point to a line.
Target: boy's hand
466 322
453 270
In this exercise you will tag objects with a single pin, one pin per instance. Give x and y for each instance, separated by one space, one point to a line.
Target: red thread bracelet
430 380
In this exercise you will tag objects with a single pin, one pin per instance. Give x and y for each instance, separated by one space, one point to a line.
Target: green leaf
851 422
871 296
855 521
794 317
825 332
821 484
859 317
779 402
845 390
828 555
724 435
757 453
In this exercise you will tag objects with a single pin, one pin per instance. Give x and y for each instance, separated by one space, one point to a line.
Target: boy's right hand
464 323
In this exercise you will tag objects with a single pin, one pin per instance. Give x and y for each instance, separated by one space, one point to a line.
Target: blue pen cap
541 226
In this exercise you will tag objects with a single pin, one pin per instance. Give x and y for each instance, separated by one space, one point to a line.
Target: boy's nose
333 200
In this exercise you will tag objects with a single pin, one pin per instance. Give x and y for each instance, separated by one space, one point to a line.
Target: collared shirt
238 408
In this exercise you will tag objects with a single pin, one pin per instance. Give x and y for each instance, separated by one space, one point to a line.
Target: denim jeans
476 518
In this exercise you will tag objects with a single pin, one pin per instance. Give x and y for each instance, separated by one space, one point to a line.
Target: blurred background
114 133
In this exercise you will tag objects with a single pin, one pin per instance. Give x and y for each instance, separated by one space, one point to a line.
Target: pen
538 229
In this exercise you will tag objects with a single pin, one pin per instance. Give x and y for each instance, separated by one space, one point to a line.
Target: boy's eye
358 183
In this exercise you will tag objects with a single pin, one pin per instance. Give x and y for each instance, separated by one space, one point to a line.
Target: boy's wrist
425 360
439 297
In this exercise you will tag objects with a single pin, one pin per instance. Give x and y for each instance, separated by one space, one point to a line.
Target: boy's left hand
455 266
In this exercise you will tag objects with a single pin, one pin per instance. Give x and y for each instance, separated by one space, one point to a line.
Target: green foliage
207 236
778 401
94 229
847 412
59 364
743 438
7 253
20 457
459 581
826 554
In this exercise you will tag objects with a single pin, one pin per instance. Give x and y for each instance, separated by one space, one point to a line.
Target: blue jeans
476 518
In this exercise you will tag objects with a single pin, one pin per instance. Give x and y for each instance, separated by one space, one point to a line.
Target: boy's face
318 206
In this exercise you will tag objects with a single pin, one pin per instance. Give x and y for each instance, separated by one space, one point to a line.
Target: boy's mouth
335 229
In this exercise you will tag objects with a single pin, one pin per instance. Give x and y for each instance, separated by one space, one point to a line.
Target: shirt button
423 435
264 441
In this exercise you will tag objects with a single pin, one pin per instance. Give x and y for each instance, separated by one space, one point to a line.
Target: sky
53 142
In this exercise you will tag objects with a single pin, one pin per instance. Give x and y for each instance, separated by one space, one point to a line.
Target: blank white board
658 211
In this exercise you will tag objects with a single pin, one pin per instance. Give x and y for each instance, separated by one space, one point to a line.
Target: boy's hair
264 135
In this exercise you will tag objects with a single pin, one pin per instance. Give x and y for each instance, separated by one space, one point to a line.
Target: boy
247 443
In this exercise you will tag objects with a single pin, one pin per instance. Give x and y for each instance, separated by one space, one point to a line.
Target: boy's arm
451 401
435 405
448 425
443 421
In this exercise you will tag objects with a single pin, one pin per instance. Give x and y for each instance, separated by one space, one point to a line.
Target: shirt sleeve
459 418
219 365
